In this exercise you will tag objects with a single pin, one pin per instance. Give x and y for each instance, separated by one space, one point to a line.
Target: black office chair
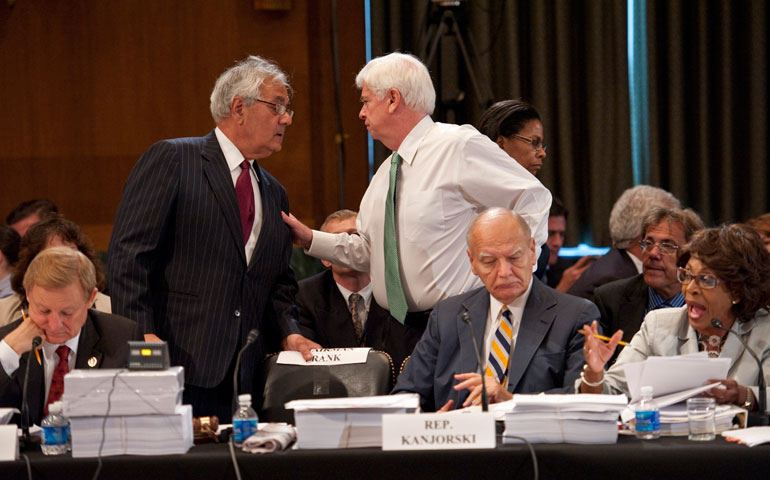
292 382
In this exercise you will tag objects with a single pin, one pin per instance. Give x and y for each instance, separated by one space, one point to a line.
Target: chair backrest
292 382
403 364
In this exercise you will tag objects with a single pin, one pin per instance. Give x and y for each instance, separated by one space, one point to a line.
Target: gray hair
494 212
338 215
244 80
689 220
404 72
628 213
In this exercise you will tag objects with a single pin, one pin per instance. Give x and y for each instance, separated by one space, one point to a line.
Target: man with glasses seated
624 303
199 255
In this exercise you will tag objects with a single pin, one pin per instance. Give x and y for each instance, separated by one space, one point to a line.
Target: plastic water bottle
55 426
647 416
244 420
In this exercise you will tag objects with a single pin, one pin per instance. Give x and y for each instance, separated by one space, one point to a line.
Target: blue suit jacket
547 357
177 263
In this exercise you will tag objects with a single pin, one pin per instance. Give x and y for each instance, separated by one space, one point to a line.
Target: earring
735 301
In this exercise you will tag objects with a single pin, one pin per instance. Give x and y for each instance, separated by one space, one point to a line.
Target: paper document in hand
668 375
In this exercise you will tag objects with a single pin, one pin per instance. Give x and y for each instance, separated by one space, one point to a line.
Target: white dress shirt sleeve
8 358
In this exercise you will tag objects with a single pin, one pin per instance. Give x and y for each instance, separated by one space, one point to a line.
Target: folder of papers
134 434
349 422
581 418
143 392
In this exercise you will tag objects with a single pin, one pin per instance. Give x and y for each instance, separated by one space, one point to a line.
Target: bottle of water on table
55 431
647 416
244 420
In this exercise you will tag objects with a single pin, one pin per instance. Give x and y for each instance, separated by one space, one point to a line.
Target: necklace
712 344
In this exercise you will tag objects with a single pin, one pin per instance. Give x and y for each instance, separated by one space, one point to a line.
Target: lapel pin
92 362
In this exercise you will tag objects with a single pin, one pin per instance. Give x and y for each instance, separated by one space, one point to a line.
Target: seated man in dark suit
60 284
337 309
625 257
530 334
624 303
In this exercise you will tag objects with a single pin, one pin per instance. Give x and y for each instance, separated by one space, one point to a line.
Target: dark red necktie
57 381
245 193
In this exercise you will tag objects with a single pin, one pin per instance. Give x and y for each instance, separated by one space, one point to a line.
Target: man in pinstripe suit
199 254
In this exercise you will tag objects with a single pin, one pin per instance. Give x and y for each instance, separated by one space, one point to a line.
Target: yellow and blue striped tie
497 365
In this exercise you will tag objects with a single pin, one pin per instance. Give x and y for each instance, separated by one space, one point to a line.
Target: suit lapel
631 310
218 175
477 307
533 327
88 355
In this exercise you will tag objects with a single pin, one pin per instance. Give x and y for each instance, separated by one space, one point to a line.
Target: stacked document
674 421
143 411
582 418
346 422
143 392
751 436
134 434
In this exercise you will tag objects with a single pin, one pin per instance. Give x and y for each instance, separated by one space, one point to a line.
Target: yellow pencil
37 350
606 339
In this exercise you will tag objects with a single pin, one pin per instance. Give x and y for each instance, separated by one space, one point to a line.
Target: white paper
9 443
669 375
6 414
400 400
325 356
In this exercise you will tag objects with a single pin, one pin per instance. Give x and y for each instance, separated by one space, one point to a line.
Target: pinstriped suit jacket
177 263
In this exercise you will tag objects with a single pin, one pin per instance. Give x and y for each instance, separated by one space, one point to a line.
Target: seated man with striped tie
337 308
61 285
529 333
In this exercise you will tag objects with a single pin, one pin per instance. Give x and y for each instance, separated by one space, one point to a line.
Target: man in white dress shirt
444 176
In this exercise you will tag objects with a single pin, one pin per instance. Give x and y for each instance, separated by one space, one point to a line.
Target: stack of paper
134 393
582 418
134 434
749 436
143 410
346 422
673 419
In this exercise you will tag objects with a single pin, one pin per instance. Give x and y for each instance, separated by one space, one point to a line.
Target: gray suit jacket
547 357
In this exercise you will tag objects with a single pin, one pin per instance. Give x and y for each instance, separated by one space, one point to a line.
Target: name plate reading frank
438 431
325 356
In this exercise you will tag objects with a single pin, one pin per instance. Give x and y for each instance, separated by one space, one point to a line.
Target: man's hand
571 274
151 337
301 234
20 339
298 343
472 381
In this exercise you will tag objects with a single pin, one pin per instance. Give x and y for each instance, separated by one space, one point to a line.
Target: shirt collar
655 301
366 293
72 343
408 147
233 156
516 307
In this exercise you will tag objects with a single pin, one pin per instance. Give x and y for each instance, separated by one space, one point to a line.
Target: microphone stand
26 440
252 337
484 399
761 418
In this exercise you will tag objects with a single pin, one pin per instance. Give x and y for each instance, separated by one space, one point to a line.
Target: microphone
251 337
762 416
24 401
484 400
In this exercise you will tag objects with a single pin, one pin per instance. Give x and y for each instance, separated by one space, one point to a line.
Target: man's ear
394 99
236 107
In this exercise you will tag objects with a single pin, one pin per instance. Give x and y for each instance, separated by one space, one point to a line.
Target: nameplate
9 443
325 356
438 431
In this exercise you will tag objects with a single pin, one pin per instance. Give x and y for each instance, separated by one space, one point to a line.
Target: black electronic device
147 355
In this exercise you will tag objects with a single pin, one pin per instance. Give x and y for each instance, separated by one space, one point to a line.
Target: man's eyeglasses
535 144
280 109
664 248
703 280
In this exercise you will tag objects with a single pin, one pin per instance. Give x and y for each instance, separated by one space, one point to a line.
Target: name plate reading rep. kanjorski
325 356
438 431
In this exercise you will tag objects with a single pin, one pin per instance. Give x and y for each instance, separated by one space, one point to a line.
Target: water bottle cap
244 398
646 390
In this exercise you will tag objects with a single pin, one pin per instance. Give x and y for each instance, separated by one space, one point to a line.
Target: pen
606 339
37 350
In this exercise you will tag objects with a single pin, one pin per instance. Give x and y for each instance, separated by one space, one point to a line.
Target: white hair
244 80
404 72
629 211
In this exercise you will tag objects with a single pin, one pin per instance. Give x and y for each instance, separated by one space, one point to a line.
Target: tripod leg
468 65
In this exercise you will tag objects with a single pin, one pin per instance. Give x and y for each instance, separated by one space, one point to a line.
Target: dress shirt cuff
322 245
8 358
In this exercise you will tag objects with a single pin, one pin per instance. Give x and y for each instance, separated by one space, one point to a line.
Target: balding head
502 253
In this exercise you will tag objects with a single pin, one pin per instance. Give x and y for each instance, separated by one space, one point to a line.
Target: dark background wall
87 85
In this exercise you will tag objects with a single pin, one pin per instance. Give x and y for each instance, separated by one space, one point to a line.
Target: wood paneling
87 85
